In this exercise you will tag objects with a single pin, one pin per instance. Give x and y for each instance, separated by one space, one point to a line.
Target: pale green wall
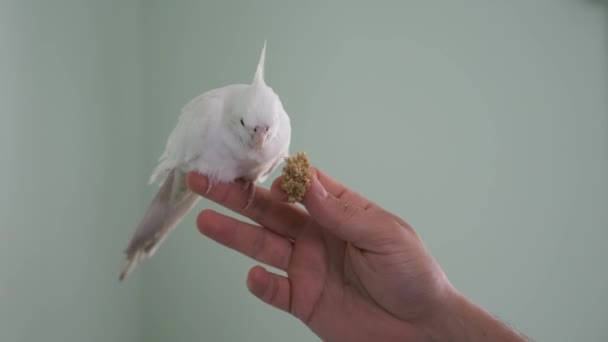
483 123
70 146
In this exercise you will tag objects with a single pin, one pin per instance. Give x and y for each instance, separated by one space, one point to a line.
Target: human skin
354 271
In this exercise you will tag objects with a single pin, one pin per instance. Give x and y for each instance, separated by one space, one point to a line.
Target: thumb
346 220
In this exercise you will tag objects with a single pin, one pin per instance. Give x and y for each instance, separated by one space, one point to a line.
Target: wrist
458 319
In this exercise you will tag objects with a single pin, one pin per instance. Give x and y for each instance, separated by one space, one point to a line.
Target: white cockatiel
236 132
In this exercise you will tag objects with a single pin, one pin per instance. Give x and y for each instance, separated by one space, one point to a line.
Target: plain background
482 123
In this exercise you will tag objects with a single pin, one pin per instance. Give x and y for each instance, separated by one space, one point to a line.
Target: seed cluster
296 177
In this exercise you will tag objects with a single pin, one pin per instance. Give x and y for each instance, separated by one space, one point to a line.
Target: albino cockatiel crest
236 132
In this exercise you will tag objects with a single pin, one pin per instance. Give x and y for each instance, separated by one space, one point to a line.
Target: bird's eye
242 123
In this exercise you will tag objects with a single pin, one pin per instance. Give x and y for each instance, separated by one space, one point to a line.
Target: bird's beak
260 135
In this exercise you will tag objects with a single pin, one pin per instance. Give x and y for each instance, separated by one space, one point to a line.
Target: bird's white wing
196 129
193 136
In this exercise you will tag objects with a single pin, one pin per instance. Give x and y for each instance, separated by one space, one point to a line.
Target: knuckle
346 214
343 192
258 245
279 256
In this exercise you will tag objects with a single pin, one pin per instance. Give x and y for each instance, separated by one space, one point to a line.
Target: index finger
282 218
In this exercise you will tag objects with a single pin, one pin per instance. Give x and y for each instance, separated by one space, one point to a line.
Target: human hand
355 272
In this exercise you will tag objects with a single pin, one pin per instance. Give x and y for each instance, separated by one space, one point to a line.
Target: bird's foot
250 187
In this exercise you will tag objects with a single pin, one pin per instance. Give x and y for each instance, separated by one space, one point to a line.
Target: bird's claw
250 187
209 186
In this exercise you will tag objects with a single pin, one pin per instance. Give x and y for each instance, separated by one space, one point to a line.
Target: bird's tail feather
170 204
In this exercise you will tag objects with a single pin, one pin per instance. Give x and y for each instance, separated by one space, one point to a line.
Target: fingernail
317 188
